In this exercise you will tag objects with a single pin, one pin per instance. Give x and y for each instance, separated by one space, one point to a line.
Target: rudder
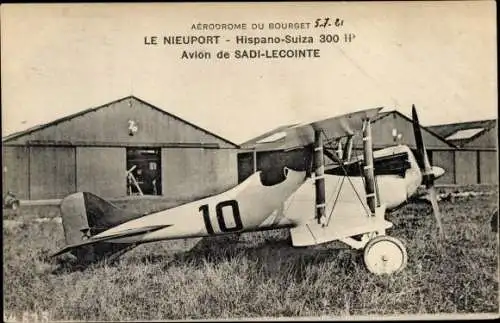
84 215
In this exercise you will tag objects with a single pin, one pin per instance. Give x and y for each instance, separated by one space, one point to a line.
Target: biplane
343 200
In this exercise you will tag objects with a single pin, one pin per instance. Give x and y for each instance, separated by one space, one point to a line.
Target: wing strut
319 178
368 170
346 154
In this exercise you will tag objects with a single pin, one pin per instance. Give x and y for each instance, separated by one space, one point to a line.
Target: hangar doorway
144 171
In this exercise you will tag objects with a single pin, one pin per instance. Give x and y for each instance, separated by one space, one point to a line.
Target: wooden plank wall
444 159
51 172
15 170
101 171
466 167
488 162
197 172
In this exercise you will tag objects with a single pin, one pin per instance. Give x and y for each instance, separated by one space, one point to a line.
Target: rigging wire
377 84
368 212
335 202
356 158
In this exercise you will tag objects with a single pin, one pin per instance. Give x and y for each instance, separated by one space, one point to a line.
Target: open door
144 171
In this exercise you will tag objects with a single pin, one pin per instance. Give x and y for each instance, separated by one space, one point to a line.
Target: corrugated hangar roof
448 129
461 133
425 130
36 128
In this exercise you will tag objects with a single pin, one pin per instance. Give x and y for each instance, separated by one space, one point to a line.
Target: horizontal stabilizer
122 234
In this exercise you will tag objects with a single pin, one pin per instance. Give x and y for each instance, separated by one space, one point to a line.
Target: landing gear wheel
385 255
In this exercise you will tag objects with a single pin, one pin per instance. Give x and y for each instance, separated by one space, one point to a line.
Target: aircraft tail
85 215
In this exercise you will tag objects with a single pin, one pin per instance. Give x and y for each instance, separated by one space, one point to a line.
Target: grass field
260 275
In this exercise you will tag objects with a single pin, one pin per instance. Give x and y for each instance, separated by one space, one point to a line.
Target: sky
60 59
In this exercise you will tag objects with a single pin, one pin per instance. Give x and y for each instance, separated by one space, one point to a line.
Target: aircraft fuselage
252 206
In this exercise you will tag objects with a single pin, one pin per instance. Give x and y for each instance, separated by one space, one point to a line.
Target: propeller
430 173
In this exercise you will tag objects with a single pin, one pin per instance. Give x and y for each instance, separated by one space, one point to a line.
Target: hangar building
95 150
474 163
476 157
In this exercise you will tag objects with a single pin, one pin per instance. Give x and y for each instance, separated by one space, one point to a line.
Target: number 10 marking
220 216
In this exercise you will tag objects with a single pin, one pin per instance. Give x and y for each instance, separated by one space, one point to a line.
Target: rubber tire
377 240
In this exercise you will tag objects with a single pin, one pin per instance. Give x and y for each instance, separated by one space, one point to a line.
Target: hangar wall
488 165
101 171
383 126
202 168
59 171
93 149
445 160
15 165
51 172
466 167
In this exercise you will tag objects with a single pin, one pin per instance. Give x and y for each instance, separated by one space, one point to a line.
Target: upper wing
300 135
